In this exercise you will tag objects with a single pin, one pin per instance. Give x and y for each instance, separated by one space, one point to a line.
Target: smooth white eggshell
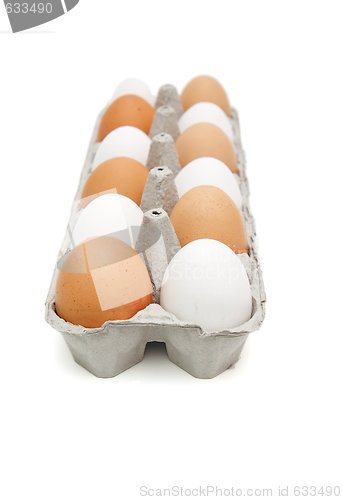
125 141
206 284
136 87
108 214
208 171
206 112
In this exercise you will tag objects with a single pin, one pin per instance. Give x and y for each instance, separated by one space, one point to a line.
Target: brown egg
206 139
126 110
121 175
100 280
208 212
205 89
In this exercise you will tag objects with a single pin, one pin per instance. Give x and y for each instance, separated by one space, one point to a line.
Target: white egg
108 214
136 87
205 284
125 141
207 171
209 113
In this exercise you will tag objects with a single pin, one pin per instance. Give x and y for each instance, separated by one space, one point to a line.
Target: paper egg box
118 345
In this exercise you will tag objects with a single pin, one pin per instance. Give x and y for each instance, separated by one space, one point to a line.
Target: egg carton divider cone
118 345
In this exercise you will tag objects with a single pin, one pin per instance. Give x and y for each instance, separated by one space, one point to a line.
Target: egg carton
118 345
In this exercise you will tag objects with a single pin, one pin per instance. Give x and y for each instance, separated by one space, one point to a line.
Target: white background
275 418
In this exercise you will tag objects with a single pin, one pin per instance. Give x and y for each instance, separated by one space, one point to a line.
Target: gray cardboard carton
118 345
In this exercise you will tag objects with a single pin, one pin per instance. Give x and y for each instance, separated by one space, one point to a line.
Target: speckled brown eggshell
126 110
121 175
100 280
208 212
205 89
206 139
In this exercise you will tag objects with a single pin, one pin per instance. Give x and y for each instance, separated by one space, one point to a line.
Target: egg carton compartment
118 345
